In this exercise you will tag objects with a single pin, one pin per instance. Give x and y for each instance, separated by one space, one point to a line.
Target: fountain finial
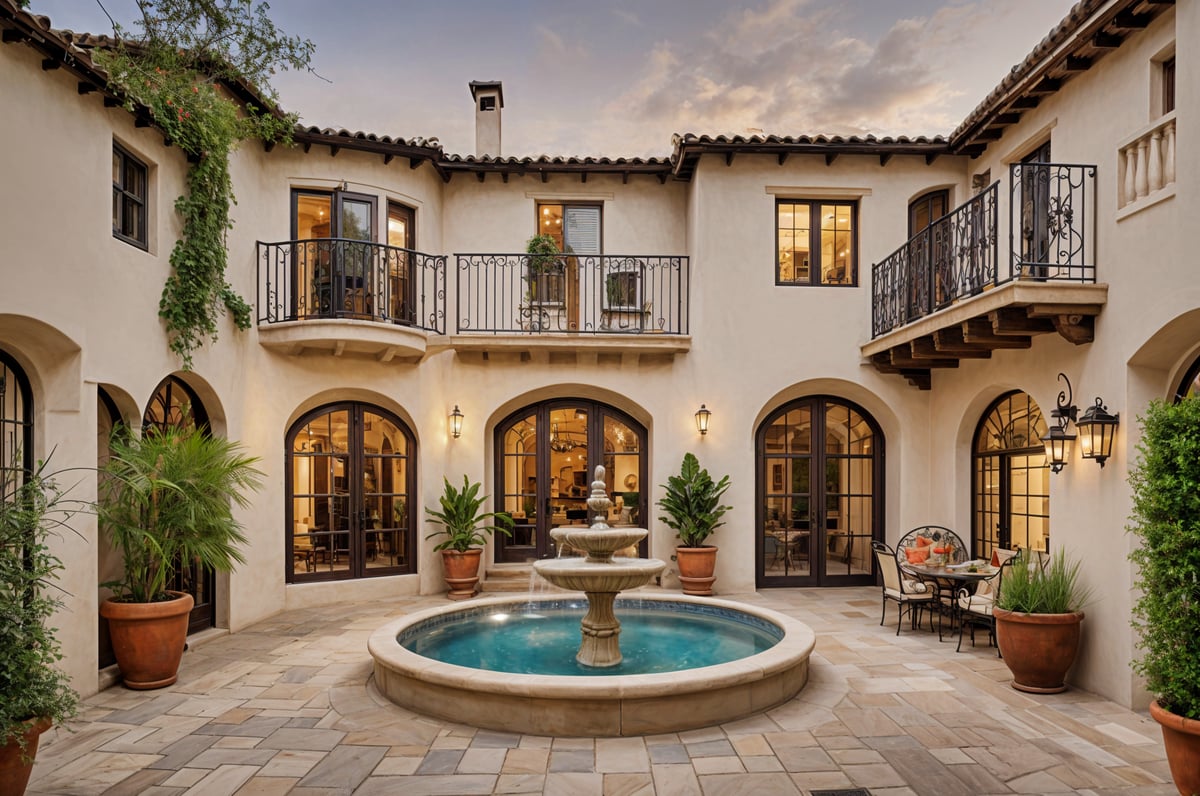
599 502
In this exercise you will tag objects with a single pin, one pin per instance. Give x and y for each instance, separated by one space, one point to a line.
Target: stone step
507 579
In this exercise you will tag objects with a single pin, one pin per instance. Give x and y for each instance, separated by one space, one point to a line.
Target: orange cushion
995 559
917 555
937 551
923 542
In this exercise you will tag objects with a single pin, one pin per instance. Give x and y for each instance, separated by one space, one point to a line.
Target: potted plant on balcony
1038 621
34 692
1166 522
465 527
693 510
166 499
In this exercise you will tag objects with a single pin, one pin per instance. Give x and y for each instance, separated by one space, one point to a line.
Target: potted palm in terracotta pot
166 500
465 528
1038 621
1166 522
693 509
34 692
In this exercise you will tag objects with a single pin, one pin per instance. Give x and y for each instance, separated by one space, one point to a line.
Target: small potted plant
465 528
34 692
167 498
1038 621
1166 522
693 510
544 258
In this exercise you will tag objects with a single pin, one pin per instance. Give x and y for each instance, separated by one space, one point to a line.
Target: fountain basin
580 574
596 705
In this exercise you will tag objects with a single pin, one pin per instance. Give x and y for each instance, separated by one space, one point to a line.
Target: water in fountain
600 575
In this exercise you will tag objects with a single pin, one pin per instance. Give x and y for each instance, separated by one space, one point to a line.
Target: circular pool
668 682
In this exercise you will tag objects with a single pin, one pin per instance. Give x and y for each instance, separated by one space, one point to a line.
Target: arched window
545 457
16 423
1190 384
819 481
350 489
926 209
1011 477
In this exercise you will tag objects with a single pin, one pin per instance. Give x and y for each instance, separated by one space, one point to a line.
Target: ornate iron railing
326 278
1051 237
591 294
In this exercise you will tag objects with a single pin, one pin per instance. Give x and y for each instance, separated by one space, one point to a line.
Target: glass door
358 283
1035 211
1011 478
398 299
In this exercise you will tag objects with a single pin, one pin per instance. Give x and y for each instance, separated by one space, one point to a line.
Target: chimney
489 99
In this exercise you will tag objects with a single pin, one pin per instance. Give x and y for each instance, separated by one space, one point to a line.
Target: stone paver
288 707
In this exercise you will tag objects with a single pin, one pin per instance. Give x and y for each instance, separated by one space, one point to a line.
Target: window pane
792 232
581 227
312 216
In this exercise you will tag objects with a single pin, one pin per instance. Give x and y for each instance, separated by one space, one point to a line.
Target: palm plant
463 524
693 502
166 499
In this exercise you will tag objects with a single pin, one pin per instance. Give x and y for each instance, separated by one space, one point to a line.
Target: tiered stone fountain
601 575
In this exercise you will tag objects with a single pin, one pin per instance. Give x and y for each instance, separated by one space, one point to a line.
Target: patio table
948 580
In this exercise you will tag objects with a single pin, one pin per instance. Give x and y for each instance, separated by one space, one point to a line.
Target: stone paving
287 707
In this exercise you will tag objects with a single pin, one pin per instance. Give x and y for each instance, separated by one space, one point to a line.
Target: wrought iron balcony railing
1051 209
336 278
591 294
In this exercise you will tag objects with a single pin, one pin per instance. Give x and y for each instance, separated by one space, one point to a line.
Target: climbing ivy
183 64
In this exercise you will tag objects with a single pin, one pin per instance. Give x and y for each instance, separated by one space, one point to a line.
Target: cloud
628 17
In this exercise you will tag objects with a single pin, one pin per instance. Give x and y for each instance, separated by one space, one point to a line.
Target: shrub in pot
34 692
465 527
693 509
1166 522
166 499
1038 620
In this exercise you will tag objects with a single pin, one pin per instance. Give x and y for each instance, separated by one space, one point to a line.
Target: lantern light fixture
1096 431
702 416
455 419
1058 440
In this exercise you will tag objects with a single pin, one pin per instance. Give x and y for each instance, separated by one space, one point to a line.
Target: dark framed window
129 198
1190 384
577 229
926 209
350 488
816 242
1168 85
1011 478
16 424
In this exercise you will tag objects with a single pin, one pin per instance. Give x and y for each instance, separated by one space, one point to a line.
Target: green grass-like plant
33 509
166 498
1032 589
693 502
463 523
1166 522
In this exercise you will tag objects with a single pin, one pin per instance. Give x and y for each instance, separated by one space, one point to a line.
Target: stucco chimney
489 100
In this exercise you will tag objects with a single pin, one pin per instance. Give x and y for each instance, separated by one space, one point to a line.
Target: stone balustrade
1146 162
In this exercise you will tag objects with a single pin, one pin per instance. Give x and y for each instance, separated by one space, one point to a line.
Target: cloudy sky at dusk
588 77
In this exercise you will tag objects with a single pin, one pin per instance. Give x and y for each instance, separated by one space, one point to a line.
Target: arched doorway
16 423
545 456
819 483
349 511
1011 478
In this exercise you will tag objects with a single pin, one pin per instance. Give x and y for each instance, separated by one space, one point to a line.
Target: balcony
339 296
572 305
953 292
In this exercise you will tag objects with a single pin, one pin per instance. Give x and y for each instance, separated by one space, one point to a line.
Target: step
507 578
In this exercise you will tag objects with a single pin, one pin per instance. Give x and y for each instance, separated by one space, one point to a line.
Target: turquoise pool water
543 637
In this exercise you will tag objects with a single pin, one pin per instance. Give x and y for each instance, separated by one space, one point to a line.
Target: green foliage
693 502
544 255
1166 521
32 510
1029 588
179 65
167 497
463 523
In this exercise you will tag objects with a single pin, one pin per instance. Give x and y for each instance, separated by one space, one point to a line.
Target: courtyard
287 706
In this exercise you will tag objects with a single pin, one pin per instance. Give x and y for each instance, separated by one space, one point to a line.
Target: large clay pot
462 572
1181 737
696 567
148 639
1038 648
15 766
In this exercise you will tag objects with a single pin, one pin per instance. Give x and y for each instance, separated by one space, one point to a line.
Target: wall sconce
1058 441
455 419
702 416
1096 431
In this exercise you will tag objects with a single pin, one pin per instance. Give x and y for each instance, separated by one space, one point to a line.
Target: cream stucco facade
79 311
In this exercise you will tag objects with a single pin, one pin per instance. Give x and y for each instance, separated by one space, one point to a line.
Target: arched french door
351 481
174 403
819 483
16 424
1011 478
545 456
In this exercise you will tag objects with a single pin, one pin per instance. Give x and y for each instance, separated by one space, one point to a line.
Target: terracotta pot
1181 737
1038 648
462 572
696 567
148 639
15 766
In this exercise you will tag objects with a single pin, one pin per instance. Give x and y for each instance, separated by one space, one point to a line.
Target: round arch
1010 492
16 417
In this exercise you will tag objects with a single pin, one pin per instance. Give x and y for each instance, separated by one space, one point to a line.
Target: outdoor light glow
455 418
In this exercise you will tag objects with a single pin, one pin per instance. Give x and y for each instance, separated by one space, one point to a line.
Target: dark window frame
1168 85
928 198
814 241
121 193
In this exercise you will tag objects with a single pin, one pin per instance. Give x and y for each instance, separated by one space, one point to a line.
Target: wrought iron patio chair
975 609
910 596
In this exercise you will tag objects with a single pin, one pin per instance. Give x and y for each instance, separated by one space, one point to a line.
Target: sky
619 77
